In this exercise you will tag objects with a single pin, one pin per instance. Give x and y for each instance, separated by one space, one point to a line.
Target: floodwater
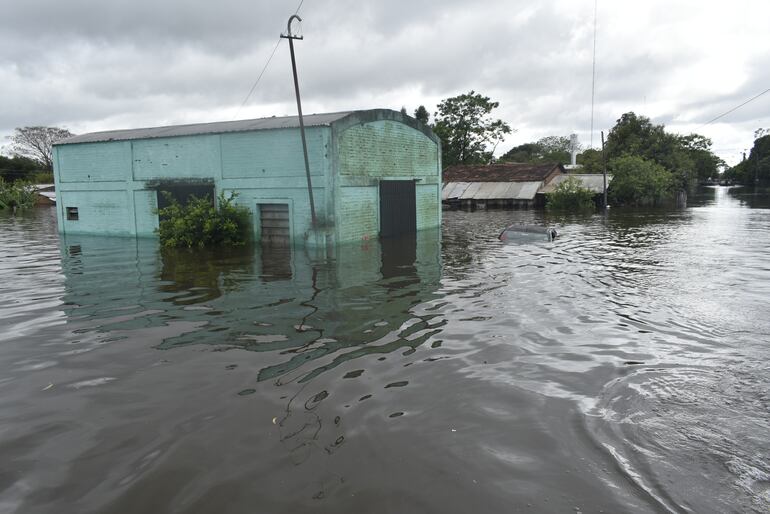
622 368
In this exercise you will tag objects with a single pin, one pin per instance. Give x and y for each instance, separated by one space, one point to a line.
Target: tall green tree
468 133
36 143
706 165
422 114
687 158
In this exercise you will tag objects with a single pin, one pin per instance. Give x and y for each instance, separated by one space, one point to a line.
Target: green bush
20 195
570 195
43 177
200 224
637 181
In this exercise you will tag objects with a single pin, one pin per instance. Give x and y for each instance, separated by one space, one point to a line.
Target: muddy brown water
622 368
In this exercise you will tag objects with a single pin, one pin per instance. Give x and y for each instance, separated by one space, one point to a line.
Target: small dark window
72 213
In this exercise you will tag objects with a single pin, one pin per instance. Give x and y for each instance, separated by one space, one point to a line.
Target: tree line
648 163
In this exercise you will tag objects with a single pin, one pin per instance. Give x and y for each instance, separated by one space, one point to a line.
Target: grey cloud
97 64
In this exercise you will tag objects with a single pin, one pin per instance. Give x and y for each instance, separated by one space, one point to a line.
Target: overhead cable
264 68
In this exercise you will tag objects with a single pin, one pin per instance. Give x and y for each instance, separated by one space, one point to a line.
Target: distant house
497 185
374 172
46 194
592 181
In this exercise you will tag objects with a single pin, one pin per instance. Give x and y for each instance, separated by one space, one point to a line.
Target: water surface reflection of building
295 302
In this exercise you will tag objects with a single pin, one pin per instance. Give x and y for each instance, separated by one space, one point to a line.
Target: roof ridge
244 125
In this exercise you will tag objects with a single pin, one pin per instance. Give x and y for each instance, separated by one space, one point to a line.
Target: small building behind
511 185
46 194
591 181
374 173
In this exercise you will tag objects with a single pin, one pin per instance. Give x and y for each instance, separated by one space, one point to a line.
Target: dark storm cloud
217 25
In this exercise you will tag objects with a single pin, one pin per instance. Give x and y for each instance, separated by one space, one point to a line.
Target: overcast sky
90 66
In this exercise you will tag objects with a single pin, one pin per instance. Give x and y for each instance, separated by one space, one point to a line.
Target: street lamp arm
288 25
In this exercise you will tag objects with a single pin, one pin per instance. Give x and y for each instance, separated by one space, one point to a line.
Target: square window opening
72 213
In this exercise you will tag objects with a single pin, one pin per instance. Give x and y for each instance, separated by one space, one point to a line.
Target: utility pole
291 39
604 169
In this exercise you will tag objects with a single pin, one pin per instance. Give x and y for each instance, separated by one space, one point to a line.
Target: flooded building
497 185
374 172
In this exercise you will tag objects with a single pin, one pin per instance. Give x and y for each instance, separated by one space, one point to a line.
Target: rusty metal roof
504 172
490 190
592 181
273 122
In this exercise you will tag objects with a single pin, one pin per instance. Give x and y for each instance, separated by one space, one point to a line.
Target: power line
264 68
593 74
734 109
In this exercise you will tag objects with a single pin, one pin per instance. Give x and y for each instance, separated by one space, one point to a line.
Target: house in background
374 172
46 194
511 185
591 181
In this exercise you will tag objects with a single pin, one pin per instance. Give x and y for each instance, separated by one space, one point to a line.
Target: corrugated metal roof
310 120
454 190
503 172
490 190
592 181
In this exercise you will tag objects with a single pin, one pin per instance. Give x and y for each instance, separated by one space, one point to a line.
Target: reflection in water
750 196
622 367
276 262
202 275
264 299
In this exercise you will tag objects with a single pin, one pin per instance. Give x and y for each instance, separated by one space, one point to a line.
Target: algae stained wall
383 149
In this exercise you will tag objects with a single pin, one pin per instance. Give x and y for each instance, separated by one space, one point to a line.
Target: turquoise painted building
374 172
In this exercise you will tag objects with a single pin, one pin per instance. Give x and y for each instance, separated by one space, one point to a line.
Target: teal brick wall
383 149
428 200
358 213
177 157
273 154
106 212
95 162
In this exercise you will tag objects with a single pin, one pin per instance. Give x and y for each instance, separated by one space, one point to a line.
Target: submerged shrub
199 223
20 195
570 195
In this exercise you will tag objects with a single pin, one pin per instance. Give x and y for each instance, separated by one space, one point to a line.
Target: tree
422 114
706 165
17 168
687 158
36 143
591 161
528 152
403 111
555 149
466 129
546 149
570 195
757 166
638 181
